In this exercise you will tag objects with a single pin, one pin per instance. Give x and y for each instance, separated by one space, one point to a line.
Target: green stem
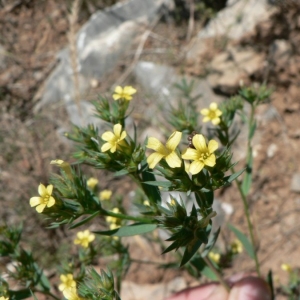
217 273
250 226
244 197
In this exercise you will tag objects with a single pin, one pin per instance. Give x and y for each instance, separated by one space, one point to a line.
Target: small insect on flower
84 238
124 93
44 200
212 114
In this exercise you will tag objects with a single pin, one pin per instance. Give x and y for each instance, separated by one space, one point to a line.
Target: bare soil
34 31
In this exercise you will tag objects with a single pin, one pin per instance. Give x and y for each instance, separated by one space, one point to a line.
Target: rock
232 66
232 23
101 42
295 184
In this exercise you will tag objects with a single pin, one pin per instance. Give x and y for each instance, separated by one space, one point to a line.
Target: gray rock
100 44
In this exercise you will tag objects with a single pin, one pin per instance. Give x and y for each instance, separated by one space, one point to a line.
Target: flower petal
107 136
118 90
190 154
206 119
213 106
196 167
173 160
34 201
212 146
210 161
218 113
40 207
129 90
204 111
123 135
117 130
174 140
154 159
51 202
216 121
49 189
42 190
154 144
105 147
200 143
116 96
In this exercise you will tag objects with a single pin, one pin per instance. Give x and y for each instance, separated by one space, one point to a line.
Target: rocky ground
269 53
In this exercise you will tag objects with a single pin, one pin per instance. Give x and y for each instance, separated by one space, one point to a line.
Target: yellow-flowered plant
287 268
203 155
236 247
92 182
3 298
45 199
71 294
124 93
167 152
113 221
84 238
114 139
67 282
212 114
105 195
214 257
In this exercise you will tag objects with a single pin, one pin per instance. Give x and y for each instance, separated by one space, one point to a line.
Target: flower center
46 199
204 155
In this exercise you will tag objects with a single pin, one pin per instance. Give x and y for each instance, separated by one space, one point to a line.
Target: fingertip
250 288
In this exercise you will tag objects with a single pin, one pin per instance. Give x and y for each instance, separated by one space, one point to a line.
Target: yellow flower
113 220
124 93
146 203
236 247
212 114
114 139
44 200
167 152
105 195
3 298
92 182
84 238
202 156
64 166
67 282
286 267
71 294
214 257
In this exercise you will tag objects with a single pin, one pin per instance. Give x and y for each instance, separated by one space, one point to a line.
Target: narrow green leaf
33 295
85 220
19 295
190 250
247 180
134 229
200 265
252 130
121 173
211 242
208 272
271 284
164 184
244 240
234 176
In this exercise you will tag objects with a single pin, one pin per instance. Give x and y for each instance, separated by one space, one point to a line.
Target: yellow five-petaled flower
124 93
212 114
45 198
114 139
84 238
167 152
67 282
105 195
202 155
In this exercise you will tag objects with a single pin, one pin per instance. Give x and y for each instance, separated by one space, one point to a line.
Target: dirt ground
34 31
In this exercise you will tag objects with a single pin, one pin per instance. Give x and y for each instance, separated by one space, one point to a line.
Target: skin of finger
250 288
210 291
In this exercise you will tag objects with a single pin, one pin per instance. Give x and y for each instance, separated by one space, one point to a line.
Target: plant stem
240 188
217 273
